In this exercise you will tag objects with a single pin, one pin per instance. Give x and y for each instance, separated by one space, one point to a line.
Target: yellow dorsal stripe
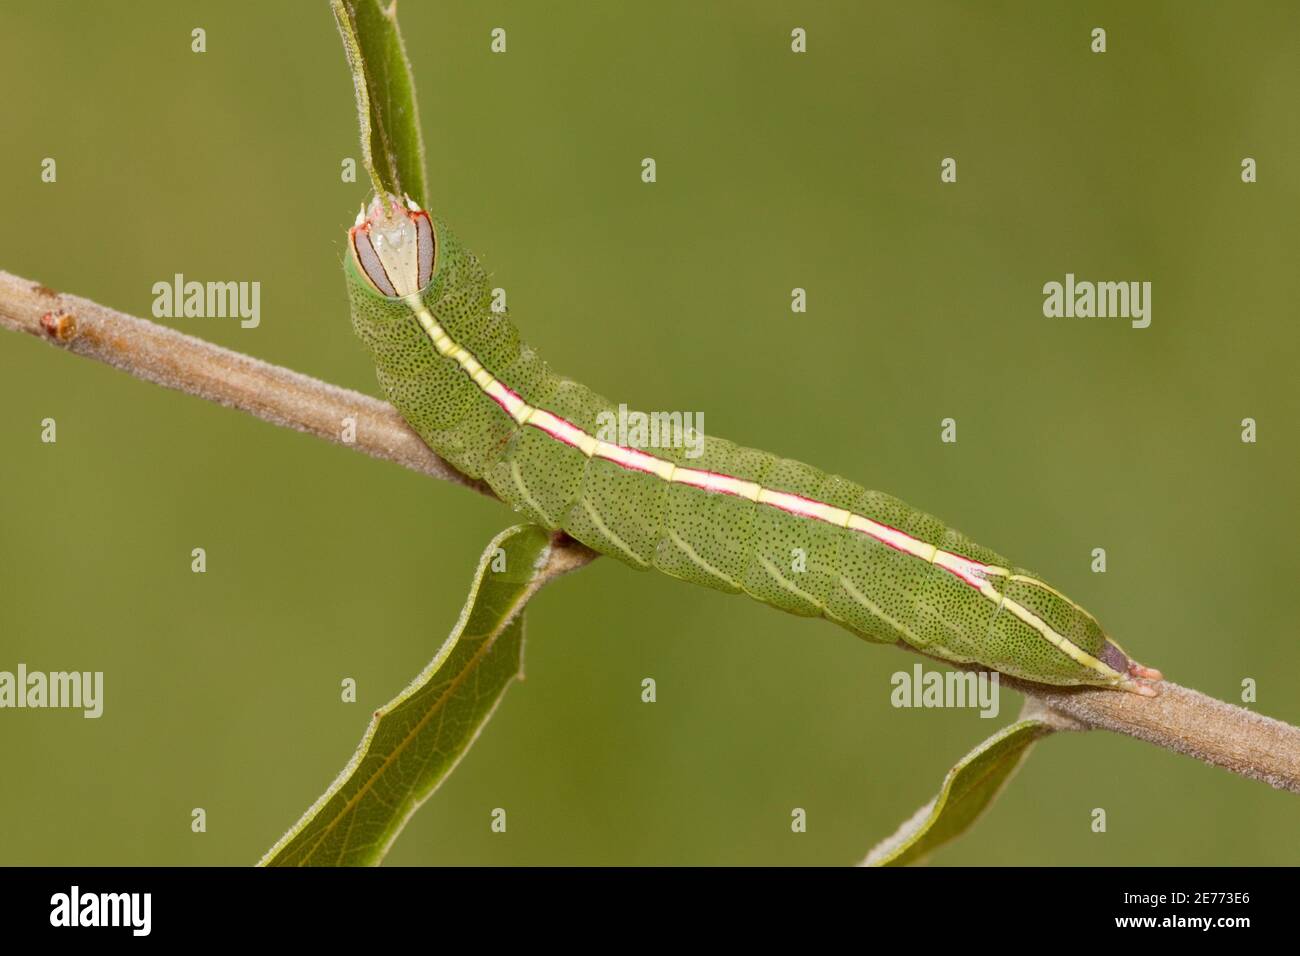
969 571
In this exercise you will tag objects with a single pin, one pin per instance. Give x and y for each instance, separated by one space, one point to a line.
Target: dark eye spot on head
394 247
369 261
427 244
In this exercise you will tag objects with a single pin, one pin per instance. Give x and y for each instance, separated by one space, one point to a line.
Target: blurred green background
775 170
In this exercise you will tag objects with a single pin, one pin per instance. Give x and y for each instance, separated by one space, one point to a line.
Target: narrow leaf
391 146
414 742
967 791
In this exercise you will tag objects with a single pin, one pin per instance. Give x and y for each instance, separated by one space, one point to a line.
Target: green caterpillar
734 518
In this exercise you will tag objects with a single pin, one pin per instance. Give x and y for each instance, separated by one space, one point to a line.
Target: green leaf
391 146
967 791
414 742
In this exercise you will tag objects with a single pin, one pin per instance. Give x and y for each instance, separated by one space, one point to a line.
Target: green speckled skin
720 541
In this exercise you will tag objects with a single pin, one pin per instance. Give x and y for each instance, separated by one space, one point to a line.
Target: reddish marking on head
394 247
45 291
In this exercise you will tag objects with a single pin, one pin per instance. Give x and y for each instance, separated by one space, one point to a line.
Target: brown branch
172 359
1185 721
1179 719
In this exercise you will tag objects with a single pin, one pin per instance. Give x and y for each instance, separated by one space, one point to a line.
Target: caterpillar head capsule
393 246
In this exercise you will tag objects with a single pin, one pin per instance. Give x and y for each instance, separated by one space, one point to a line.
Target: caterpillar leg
1137 673
1134 677
1144 672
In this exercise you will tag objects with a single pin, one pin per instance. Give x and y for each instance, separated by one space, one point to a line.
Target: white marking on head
394 248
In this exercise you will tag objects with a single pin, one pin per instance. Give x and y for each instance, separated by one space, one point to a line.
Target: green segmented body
731 519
